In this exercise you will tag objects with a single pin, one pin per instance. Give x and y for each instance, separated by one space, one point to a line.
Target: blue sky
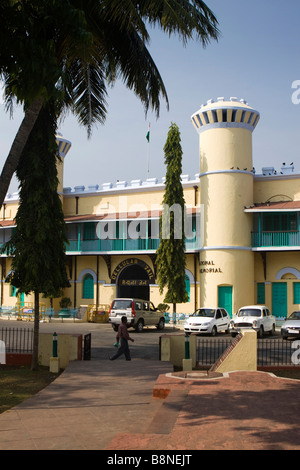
256 58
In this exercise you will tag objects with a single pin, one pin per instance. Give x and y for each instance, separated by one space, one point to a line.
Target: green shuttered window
88 287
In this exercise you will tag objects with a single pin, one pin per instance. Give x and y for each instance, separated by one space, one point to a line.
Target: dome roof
225 113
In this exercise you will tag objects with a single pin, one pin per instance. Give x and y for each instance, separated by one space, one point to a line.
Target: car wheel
260 332
161 324
115 327
214 331
139 326
272 332
233 335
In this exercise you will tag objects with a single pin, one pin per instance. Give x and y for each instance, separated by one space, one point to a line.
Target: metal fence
275 352
17 340
209 350
270 352
20 340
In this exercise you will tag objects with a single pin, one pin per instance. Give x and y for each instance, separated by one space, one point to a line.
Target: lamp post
54 345
187 346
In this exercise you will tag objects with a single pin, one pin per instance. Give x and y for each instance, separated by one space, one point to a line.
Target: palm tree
72 50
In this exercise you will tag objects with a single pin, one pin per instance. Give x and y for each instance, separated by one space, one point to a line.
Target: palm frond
88 93
186 18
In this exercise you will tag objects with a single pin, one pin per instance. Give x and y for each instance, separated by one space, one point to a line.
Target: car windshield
294 316
204 312
249 312
121 304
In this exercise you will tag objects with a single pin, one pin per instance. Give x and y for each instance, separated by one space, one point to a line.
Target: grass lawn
19 383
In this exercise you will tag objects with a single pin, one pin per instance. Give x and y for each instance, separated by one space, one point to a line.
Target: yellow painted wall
221 149
224 196
243 356
229 268
10 210
275 261
279 189
226 187
110 202
173 349
107 291
68 348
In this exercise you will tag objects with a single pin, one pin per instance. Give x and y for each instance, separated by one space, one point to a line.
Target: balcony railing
139 244
275 239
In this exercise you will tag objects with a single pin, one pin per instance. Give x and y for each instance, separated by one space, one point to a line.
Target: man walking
123 338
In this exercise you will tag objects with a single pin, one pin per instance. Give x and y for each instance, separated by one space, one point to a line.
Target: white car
291 326
256 317
207 320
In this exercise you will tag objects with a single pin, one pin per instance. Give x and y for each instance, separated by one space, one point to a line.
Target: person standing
123 338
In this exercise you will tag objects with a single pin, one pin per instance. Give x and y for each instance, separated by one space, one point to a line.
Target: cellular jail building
242 237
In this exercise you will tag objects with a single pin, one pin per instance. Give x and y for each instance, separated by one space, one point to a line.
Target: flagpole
148 154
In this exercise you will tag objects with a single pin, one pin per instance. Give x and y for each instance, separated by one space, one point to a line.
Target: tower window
205 118
250 118
255 121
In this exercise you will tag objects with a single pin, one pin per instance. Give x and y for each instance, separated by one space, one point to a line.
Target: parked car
256 317
291 326
139 313
207 320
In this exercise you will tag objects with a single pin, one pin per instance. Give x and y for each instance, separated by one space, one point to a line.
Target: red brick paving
242 411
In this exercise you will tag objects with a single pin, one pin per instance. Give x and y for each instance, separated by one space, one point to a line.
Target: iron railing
275 352
276 239
209 350
17 340
139 244
270 352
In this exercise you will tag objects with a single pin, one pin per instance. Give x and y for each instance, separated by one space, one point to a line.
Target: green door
225 298
279 299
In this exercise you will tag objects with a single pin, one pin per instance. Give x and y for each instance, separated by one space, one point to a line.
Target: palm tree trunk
36 327
17 147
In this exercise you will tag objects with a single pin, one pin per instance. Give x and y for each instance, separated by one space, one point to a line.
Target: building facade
242 231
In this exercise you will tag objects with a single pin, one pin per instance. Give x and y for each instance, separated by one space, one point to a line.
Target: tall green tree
37 246
77 49
171 258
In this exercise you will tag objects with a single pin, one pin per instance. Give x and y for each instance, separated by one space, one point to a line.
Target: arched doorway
133 279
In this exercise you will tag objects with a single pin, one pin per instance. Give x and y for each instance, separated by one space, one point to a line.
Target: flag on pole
148 157
148 134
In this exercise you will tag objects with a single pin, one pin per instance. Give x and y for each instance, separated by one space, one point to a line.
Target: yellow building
242 231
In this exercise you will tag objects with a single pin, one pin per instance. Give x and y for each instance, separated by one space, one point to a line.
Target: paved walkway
98 404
